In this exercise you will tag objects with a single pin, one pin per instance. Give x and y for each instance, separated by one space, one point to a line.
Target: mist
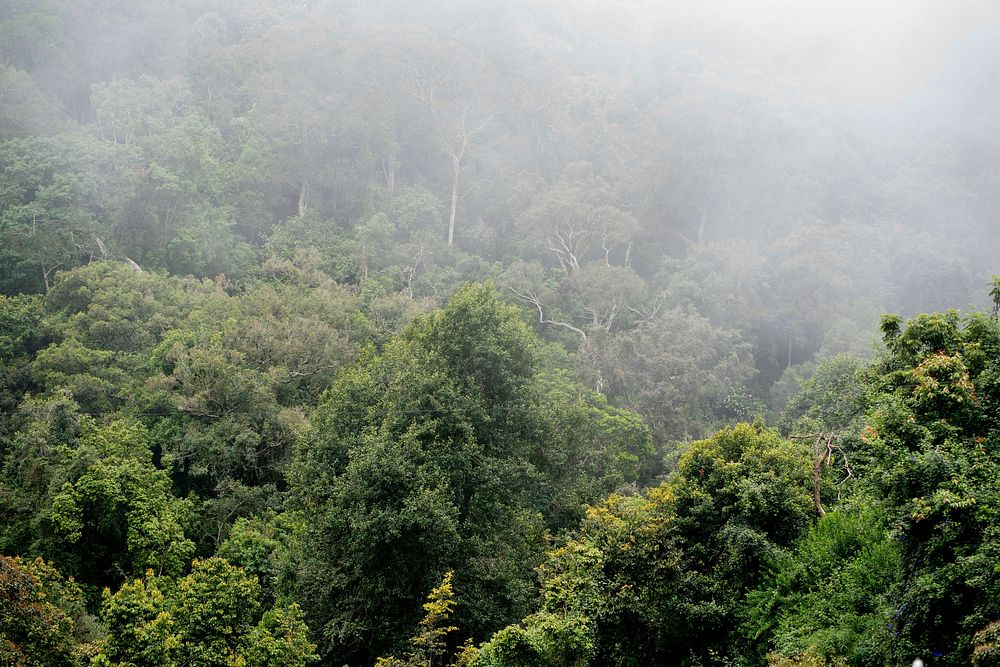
871 55
217 215
787 170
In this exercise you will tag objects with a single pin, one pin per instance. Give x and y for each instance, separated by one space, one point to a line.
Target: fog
869 54
784 170
668 331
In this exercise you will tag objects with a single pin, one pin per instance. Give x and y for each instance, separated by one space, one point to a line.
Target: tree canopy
493 334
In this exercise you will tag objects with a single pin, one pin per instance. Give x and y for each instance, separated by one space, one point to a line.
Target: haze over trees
497 334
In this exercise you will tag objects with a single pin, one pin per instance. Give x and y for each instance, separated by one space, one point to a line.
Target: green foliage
54 206
446 451
995 295
677 370
210 618
87 497
45 430
933 421
662 578
692 245
430 644
987 641
265 547
590 447
825 599
545 639
42 618
109 513
407 458
20 338
831 400
19 319
220 380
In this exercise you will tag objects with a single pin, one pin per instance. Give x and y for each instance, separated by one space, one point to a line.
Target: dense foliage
449 333
449 450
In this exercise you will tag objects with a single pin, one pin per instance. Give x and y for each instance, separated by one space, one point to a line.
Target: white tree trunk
456 164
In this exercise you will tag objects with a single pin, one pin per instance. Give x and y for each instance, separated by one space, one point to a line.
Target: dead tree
825 448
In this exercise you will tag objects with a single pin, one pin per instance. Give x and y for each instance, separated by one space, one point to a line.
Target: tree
576 215
411 466
210 618
831 400
933 406
430 643
42 618
181 217
55 207
446 451
828 597
266 547
20 339
26 109
456 90
676 370
110 513
590 447
662 577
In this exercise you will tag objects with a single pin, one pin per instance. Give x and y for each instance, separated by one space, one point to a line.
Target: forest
493 334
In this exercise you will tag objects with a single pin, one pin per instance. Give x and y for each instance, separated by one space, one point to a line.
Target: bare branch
824 447
529 297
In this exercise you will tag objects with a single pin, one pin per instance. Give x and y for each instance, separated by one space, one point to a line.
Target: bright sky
857 51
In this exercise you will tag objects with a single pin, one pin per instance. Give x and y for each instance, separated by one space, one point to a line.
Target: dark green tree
447 451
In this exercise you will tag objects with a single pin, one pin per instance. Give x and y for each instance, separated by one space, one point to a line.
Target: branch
648 313
527 296
823 449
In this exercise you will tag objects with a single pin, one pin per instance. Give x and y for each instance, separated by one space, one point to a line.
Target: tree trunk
303 196
818 476
456 162
389 166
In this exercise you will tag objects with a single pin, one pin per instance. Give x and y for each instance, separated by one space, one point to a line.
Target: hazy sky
856 51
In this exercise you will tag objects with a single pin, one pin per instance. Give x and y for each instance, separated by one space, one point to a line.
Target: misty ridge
499 334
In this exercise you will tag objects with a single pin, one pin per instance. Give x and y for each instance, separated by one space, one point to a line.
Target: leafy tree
430 644
577 219
210 618
831 400
109 513
229 385
55 207
27 110
44 430
100 322
445 451
663 577
42 618
87 496
265 546
932 421
20 338
675 370
827 599
590 447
